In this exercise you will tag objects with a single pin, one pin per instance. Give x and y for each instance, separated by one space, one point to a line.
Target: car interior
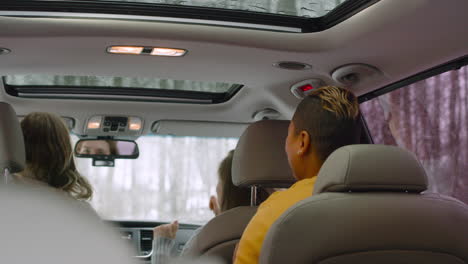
155 93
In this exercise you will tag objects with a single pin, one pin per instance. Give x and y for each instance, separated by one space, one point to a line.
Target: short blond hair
330 115
339 101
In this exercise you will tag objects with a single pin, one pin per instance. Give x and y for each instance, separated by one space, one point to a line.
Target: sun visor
69 122
198 128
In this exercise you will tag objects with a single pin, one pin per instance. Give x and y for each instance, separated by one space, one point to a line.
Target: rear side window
429 118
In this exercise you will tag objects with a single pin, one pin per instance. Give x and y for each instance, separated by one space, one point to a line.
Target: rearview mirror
105 151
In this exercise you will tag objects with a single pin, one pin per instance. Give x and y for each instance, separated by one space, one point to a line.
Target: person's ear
214 206
304 143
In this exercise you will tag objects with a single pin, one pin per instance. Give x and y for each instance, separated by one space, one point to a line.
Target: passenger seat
259 161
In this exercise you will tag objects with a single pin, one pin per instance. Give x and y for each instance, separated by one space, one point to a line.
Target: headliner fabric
260 158
12 152
371 168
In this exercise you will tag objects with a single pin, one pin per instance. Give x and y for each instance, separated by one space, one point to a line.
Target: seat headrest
260 158
12 152
364 168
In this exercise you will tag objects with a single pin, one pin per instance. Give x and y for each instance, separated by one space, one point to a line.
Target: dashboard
140 236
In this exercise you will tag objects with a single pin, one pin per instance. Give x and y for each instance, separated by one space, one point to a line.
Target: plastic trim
451 65
121 94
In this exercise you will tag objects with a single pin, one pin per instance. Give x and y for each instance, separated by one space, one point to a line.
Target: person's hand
167 230
214 206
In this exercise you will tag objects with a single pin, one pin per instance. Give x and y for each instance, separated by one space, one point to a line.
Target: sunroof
122 88
117 82
301 8
298 16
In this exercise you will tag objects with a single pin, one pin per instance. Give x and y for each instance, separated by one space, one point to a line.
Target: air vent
266 114
355 75
4 51
146 241
292 65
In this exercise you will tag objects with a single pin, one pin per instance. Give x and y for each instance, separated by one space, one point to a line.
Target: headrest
260 158
365 168
89 241
12 153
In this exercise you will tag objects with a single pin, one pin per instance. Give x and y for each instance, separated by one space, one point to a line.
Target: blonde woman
49 156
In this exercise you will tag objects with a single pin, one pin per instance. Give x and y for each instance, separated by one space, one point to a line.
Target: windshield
172 179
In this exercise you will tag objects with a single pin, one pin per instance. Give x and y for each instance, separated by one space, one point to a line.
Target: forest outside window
429 118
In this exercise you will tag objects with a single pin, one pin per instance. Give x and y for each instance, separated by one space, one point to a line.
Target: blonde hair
330 116
49 155
339 101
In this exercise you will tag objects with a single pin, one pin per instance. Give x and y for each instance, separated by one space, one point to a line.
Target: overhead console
114 126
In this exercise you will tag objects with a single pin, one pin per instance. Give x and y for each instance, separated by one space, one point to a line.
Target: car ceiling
399 37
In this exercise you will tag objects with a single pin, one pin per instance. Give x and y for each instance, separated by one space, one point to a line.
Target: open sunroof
118 88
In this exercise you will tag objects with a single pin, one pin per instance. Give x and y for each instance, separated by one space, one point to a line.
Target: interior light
134 123
125 50
168 52
94 125
307 87
95 122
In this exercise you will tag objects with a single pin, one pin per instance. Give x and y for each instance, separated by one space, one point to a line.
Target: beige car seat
259 161
368 207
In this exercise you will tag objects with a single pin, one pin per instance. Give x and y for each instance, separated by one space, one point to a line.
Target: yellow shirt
269 211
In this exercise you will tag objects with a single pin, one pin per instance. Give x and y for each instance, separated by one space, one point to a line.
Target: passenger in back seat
49 156
228 197
324 121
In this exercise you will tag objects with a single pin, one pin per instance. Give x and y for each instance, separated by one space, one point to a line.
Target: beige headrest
61 229
12 153
363 168
216 237
260 158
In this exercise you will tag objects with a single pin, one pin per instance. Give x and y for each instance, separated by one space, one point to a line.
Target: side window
429 118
